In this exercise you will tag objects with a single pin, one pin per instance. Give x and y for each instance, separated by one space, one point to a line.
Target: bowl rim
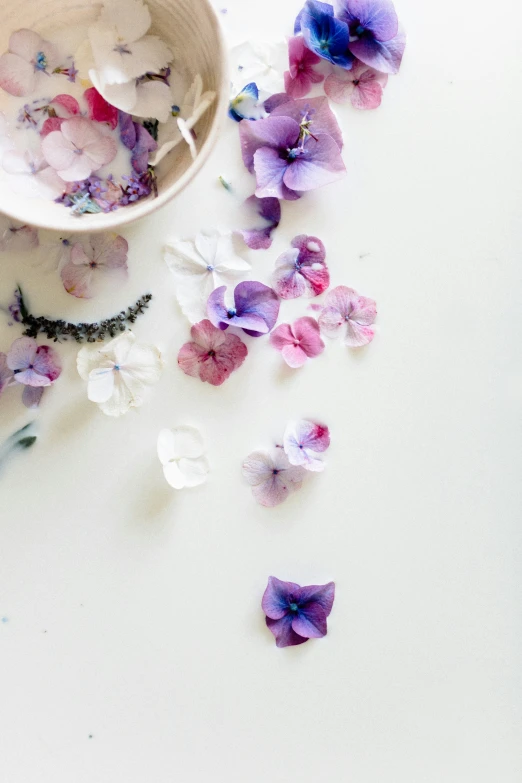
122 217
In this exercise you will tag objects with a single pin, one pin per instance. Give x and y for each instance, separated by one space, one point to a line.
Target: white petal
194 471
164 150
87 359
187 135
84 60
153 99
118 349
228 264
206 244
121 400
101 384
122 96
183 260
193 94
142 367
180 442
173 475
192 296
130 18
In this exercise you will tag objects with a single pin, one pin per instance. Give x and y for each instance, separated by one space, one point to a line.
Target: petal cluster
295 614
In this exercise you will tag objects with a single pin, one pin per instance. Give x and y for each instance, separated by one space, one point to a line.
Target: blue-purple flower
297 148
375 37
269 210
296 614
255 308
246 104
325 35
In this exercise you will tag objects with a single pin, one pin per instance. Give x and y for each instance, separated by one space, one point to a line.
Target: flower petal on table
285 635
323 166
22 353
101 384
182 441
275 601
32 395
322 594
310 621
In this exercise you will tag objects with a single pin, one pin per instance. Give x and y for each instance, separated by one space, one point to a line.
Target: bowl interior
191 29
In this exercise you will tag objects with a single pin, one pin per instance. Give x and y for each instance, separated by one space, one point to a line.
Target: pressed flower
259 62
345 310
200 266
181 452
298 341
375 37
297 148
16 237
325 35
296 614
246 105
34 366
30 174
29 56
90 260
99 109
302 442
182 119
212 355
272 477
362 86
54 252
302 270
118 373
269 210
78 149
121 48
255 308
301 75
6 374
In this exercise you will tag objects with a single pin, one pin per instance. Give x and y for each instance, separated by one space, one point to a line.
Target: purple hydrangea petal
384 57
127 130
318 110
310 621
285 635
274 101
311 249
325 35
378 17
32 395
216 309
321 165
276 598
272 132
145 144
270 170
321 594
22 353
6 374
47 362
257 299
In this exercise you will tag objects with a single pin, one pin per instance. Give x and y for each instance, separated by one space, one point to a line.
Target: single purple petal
288 281
384 57
376 16
321 594
275 602
145 144
285 635
268 209
320 165
318 110
274 132
22 353
217 311
310 621
270 169
127 130
278 99
32 395
256 299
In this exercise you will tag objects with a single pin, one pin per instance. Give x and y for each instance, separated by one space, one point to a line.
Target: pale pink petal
22 353
17 77
367 95
358 335
272 479
339 86
331 321
79 169
58 150
282 336
294 356
303 440
32 395
101 151
306 331
25 43
364 310
77 280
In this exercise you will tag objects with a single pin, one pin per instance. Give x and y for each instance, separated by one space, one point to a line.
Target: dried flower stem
59 330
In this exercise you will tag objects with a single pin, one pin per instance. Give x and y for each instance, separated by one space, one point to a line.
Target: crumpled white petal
181 453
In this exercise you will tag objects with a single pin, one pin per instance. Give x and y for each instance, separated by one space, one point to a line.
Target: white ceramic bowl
192 30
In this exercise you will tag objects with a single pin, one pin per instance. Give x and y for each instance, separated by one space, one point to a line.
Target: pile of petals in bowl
87 127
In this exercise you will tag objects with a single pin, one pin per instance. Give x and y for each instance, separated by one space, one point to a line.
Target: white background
133 613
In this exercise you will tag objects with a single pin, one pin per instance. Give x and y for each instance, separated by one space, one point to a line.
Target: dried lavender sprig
98 331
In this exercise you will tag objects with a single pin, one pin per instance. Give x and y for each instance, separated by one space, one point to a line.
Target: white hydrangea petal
142 367
118 349
194 471
192 296
122 96
101 384
206 243
130 18
187 442
173 475
121 400
187 135
153 99
183 260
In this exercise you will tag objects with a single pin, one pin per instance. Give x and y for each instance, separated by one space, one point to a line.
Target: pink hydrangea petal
51 124
323 166
17 77
25 43
364 310
80 131
331 321
306 330
297 86
282 336
190 358
288 283
22 353
341 298
57 150
207 336
317 277
32 395
284 634
77 279
269 488
339 86
99 109
109 251
358 335
271 492
310 622
294 356
302 440
270 170
65 105
47 362
367 95
311 249
312 435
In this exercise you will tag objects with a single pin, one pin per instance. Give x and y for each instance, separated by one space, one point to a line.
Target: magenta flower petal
269 132
99 109
51 124
284 634
298 342
47 362
269 209
32 395
212 355
302 270
310 622
321 165
275 597
272 478
299 79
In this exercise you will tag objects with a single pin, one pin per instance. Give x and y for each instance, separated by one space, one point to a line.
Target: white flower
118 372
261 63
121 48
139 98
182 119
181 452
200 266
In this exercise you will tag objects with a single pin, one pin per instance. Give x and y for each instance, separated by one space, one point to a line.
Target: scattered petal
298 342
272 478
303 440
212 355
181 453
344 308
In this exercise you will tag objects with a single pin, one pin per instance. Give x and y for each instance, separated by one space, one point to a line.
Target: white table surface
133 646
